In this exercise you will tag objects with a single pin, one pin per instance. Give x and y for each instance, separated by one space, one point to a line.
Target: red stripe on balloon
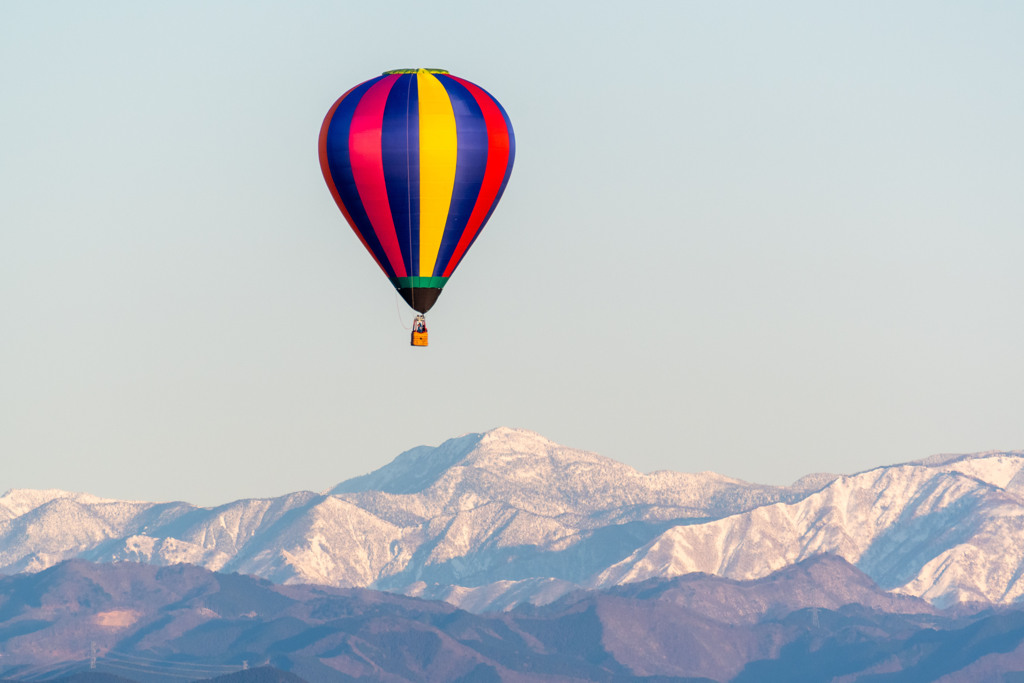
364 144
325 167
494 173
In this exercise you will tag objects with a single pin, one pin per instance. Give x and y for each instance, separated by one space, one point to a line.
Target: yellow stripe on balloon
438 153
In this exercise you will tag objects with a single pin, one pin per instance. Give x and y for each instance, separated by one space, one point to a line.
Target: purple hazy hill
822 617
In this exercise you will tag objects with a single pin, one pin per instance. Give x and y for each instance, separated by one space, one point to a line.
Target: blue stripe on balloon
340 165
471 162
400 140
508 168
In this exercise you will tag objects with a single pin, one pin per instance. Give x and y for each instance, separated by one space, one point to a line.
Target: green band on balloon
417 281
412 71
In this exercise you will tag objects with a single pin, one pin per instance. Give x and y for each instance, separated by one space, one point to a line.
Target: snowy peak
521 455
528 472
995 468
413 470
18 502
949 458
503 451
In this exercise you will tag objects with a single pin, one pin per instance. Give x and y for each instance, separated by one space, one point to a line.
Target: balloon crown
413 71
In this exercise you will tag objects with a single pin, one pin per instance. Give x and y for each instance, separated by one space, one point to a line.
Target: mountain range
491 521
818 620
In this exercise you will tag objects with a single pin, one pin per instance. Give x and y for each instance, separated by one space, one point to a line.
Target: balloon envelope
416 160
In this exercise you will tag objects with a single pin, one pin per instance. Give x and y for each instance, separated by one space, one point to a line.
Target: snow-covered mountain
933 532
487 521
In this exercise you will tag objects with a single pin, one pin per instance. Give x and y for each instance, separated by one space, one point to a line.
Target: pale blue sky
760 238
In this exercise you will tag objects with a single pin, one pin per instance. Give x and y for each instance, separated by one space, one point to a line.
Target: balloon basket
419 331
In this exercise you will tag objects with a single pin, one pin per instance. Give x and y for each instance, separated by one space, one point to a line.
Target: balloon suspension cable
398 310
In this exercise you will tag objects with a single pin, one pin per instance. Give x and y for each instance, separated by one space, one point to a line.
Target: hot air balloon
416 160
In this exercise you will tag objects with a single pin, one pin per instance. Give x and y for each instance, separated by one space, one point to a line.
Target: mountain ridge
820 619
153 623
507 517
